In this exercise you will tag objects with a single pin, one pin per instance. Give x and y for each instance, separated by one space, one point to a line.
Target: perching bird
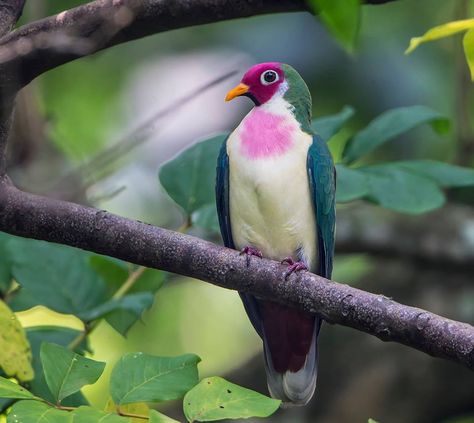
275 194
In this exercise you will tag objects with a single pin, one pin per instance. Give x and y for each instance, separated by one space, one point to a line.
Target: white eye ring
269 74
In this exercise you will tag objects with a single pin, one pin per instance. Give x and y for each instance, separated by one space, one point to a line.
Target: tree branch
10 12
94 230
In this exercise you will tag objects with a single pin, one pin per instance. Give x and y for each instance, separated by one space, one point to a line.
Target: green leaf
36 412
351 184
139 377
67 372
15 352
444 174
189 178
468 44
396 188
440 31
341 17
86 414
156 417
55 276
328 126
389 125
115 272
9 389
206 218
133 303
372 421
58 335
215 398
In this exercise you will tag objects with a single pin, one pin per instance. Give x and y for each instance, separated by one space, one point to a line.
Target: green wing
322 182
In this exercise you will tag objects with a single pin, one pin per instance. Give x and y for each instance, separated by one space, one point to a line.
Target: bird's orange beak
235 92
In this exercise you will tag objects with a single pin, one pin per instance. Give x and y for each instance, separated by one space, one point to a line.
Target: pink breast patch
265 134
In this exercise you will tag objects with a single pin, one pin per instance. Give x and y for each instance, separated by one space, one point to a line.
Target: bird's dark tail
290 344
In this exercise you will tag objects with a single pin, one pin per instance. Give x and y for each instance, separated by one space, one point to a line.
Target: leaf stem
128 284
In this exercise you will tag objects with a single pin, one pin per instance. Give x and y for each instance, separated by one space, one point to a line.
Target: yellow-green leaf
468 43
440 31
15 352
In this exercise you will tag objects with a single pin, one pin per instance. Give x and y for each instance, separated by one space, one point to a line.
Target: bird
275 198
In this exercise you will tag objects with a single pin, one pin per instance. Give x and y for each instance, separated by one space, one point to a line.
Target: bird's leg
250 251
293 266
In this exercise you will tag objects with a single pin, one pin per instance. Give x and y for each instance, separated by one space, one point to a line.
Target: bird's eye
268 77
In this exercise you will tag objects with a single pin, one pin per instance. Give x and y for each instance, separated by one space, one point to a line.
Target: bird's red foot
250 251
293 266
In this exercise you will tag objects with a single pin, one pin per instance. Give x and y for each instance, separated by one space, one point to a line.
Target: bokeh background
71 115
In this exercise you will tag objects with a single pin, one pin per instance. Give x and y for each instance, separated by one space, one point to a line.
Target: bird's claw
293 266
250 251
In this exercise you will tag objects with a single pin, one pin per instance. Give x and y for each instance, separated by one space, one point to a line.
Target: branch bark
10 12
94 230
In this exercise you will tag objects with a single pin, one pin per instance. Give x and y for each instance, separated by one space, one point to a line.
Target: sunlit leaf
137 408
468 44
389 125
215 398
156 417
341 17
15 352
189 178
67 372
328 126
440 31
139 377
9 389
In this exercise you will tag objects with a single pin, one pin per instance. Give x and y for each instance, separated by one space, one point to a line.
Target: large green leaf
341 17
215 398
15 351
397 188
444 174
58 335
139 377
206 218
9 389
67 372
328 126
91 415
351 184
56 276
37 412
189 178
389 125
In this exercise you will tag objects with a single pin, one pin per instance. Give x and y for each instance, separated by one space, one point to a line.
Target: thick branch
37 217
42 45
10 12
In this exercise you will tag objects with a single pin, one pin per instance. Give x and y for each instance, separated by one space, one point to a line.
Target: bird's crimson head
260 83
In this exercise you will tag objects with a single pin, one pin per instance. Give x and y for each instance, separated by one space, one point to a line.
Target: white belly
270 201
